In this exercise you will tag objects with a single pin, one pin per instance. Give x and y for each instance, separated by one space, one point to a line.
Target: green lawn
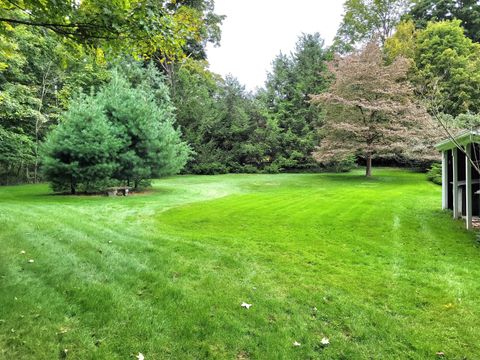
372 264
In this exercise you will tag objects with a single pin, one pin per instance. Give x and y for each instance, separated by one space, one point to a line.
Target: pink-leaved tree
371 111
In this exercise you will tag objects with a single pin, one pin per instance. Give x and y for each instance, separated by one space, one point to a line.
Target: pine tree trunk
72 187
368 172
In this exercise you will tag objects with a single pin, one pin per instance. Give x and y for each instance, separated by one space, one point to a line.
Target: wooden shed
460 179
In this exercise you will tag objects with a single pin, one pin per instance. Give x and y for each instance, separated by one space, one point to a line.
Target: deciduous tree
364 20
468 11
371 111
16 155
444 55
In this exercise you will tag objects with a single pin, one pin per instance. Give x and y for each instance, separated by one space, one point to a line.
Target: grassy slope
374 265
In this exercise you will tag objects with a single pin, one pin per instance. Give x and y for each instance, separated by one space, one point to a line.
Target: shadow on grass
42 193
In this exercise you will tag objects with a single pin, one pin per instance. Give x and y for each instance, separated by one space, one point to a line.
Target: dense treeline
273 130
52 71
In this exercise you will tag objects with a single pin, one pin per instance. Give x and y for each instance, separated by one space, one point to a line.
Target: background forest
56 58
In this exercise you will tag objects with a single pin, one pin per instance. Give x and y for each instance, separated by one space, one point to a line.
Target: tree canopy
292 79
467 11
371 110
136 26
165 96
125 134
364 20
445 62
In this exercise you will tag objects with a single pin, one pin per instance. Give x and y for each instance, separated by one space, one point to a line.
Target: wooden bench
118 190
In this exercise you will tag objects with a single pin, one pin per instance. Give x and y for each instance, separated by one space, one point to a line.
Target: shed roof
463 138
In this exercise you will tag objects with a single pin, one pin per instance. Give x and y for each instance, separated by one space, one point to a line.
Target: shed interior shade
461 185
463 138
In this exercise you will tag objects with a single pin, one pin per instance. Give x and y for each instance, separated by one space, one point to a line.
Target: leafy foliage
137 26
446 64
229 129
434 174
233 131
226 126
468 11
371 110
365 20
38 82
467 121
445 54
402 43
16 155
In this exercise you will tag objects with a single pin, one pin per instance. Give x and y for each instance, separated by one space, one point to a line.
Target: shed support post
445 179
456 209
468 186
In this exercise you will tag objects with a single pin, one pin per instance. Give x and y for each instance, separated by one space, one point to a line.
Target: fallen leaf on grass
62 331
245 305
242 355
296 343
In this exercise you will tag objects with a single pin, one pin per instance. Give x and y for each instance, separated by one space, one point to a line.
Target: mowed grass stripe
373 265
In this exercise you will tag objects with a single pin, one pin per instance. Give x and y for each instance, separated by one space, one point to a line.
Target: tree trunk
368 172
35 170
37 120
72 187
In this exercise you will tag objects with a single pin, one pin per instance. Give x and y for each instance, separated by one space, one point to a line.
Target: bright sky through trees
255 31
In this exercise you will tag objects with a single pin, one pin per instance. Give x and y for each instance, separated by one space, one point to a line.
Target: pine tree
81 153
144 120
122 134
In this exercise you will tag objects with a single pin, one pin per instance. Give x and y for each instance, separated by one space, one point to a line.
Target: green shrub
271 169
123 134
434 174
213 168
249 169
343 165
